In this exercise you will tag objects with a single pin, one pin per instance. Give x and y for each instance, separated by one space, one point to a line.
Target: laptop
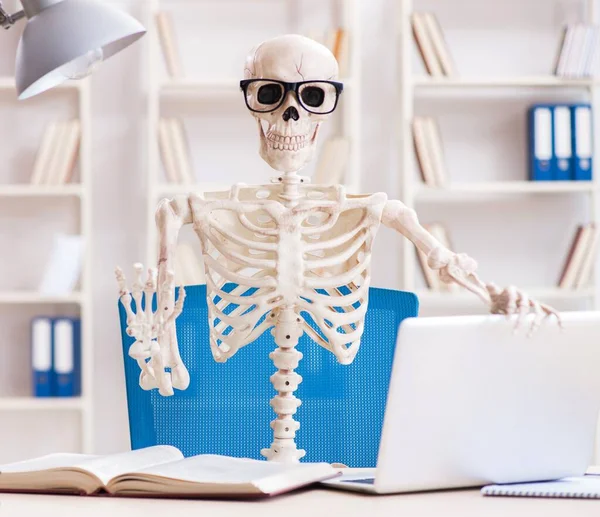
470 403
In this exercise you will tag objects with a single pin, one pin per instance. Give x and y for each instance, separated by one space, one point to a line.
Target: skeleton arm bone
460 268
452 267
171 215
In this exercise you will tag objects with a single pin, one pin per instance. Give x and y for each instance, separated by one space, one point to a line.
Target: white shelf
502 82
461 190
41 403
71 190
543 294
9 83
25 297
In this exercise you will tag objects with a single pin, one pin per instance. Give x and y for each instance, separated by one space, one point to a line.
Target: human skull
288 135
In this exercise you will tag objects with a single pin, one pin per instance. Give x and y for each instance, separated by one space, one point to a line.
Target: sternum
290 266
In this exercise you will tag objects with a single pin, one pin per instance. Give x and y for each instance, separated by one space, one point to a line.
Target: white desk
312 503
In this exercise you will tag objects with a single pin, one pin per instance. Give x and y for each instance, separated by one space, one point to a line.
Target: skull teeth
286 143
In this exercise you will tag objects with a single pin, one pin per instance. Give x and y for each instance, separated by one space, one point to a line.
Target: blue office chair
226 408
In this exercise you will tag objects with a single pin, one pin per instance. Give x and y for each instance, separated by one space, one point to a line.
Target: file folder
583 142
66 378
541 150
41 356
563 152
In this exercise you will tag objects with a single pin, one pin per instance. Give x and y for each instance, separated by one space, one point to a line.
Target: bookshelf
503 91
207 91
35 404
34 207
541 81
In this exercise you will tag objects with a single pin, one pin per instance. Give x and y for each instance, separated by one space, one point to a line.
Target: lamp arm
7 20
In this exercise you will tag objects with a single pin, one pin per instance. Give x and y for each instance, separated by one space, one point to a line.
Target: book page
107 467
51 461
208 468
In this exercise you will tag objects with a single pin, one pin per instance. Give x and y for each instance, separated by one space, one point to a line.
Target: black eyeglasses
266 95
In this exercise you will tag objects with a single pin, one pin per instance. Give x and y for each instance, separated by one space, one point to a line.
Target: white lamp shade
65 31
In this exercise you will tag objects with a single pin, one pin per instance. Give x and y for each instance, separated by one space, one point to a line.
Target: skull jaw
287 161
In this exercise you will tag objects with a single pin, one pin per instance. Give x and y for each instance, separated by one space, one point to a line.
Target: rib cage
314 256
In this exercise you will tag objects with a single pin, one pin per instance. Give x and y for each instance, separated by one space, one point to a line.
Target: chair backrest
226 408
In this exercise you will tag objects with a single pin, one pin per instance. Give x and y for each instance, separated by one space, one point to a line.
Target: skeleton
289 256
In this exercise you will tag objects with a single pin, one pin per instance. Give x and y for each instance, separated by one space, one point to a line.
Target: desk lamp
66 39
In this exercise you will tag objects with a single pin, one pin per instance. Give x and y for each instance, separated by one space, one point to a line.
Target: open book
159 471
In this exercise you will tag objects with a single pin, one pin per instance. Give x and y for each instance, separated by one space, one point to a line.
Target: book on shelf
579 51
332 161
188 266
166 35
174 150
57 155
338 41
560 142
580 258
159 471
440 46
167 152
429 151
432 277
432 45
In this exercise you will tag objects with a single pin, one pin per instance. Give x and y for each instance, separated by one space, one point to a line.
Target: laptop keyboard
366 481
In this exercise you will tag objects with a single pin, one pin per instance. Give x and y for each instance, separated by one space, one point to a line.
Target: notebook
159 471
583 487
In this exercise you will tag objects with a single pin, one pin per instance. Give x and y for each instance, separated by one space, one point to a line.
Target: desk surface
311 503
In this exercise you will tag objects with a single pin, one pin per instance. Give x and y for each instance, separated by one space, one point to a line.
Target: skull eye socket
270 93
313 96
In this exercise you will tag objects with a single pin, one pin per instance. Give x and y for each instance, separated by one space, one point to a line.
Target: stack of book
580 259
332 161
429 151
57 154
166 35
337 41
432 45
188 266
432 278
175 151
56 357
579 52
561 143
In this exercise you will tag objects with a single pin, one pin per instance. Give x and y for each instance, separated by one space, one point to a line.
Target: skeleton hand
147 327
512 301
460 268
